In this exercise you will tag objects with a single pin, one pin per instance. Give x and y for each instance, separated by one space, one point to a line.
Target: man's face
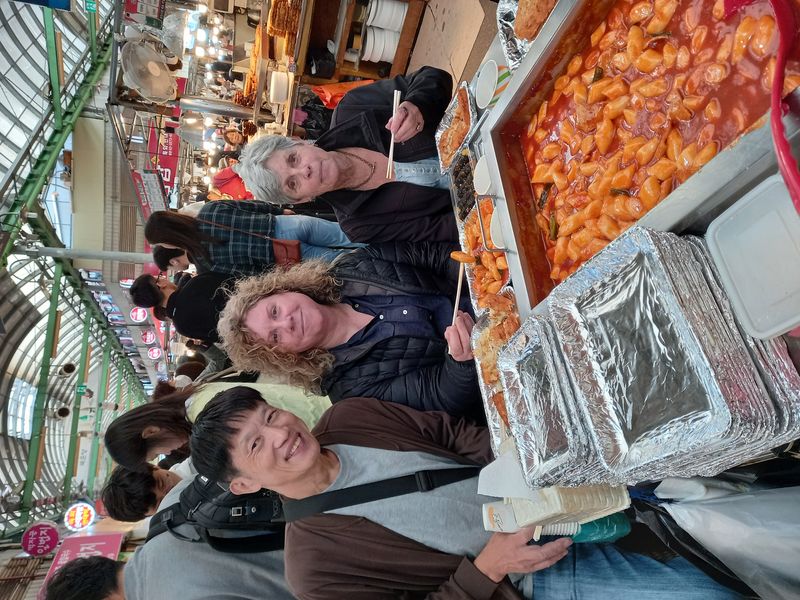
304 171
272 449
288 322
165 481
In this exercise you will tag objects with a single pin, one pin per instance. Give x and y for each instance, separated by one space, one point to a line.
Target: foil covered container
551 440
770 357
514 48
498 431
469 269
447 121
642 379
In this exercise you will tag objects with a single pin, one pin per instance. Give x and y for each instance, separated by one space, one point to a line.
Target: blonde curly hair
313 278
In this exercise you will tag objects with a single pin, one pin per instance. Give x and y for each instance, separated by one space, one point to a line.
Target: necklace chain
370 166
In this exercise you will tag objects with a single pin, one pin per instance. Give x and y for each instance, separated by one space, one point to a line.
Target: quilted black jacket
417 372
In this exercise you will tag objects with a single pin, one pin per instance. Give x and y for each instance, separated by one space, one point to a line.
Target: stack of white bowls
384 22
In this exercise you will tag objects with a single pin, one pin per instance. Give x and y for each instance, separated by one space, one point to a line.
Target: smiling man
422 544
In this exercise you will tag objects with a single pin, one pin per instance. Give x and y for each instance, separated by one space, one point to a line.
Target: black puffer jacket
417 372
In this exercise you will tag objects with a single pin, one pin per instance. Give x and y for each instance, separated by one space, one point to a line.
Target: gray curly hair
257 177
313 278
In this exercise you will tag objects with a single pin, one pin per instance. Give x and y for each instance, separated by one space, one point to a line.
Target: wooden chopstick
458 291
390 165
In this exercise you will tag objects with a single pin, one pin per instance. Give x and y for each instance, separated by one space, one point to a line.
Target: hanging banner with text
163 147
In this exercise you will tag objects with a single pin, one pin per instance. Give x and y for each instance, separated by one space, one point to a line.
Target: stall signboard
149 190
138 314
83 546
145 12
148 336
41 538
163 147
154 353
79 516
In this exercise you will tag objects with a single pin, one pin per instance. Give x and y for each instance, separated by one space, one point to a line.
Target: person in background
228 183
193 305
347 165
168 568
227 236
155 428
377 323
130 496
234 137
90 578
174 259
421 544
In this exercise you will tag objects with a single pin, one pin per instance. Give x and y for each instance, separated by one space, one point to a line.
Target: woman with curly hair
376 323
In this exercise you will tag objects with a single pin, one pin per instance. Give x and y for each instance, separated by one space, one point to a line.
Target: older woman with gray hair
347 165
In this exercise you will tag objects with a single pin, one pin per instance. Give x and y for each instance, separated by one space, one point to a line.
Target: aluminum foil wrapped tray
551 439
665 385
447 122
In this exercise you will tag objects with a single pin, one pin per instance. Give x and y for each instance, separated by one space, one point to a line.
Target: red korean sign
40 539
164 149
148 336
83 546
154 353
138 314
150 193
79 516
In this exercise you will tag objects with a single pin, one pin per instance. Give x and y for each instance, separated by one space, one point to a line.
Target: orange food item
462 257
531 15
499 401
662 88
452 137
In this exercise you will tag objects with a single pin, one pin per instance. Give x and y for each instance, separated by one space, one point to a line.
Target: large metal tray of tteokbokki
627 111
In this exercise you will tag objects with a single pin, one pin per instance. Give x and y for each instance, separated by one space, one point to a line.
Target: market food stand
620 113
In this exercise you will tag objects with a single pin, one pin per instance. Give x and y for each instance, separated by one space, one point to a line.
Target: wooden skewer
390 165
458 291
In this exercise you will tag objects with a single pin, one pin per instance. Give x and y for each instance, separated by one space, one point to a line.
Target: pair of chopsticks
390 166
458 291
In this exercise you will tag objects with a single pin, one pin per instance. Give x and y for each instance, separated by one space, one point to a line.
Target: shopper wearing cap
347 165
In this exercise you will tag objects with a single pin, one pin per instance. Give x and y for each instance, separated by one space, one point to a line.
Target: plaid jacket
236 252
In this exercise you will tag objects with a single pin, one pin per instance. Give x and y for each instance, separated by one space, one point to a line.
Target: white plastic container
756 247
570 505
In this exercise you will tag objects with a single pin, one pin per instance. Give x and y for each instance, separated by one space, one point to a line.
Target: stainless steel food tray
690 208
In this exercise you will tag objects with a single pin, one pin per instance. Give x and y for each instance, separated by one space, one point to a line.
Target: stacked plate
379 45
382 33
386 14
640 372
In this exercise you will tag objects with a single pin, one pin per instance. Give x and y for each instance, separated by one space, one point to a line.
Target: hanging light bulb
208 122
212 170
202 8
215 30
212 51
190 120
217 20
209 146
207 180
208 67
202 35
215 38
209 76
199 51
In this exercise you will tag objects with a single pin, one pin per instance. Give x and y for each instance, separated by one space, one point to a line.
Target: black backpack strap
421 481
165 520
